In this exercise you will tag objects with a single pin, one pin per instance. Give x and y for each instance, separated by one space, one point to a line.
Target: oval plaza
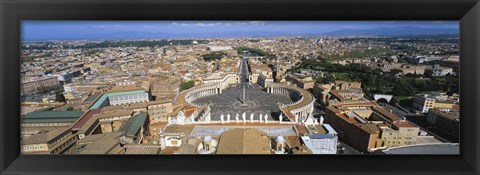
234 95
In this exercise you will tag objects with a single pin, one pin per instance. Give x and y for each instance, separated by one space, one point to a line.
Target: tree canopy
184 85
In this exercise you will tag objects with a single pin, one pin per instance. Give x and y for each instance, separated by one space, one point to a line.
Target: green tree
59 97
396 71
369 79
328 79
186 85
404 88
428 73
213 56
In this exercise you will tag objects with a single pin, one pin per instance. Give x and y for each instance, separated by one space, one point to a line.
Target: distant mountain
406 30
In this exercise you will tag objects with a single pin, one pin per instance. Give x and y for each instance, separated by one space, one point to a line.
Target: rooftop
403 123
85 118
384 113
45 137
447 115
51 117
437 148
370 128
102 146
53 114
105 96
142 149
116 113
132 126
244 141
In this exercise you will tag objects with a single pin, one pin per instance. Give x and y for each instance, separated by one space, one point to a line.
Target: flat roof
436 148
103 145
321 136
104 97
142 149
404 123
92 97
330 129
45 137
53 114
57 120
368 127
382 111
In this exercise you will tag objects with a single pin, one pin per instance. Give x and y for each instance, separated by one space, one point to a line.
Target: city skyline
111 30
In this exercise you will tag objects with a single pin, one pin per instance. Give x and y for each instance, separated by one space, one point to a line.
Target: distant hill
407 30
404 30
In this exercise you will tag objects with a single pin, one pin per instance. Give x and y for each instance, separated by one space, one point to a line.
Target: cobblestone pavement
257 102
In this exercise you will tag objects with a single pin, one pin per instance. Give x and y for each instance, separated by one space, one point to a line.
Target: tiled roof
244 141
45 137
403 123
102 146
142 149
79 124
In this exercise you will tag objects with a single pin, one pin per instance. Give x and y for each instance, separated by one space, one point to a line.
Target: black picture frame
13 11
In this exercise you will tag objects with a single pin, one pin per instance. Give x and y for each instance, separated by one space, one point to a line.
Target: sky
72 30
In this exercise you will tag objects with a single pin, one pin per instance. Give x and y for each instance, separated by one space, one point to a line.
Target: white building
219 48
424 102
441 71
125 83
322 143
222 79
128 98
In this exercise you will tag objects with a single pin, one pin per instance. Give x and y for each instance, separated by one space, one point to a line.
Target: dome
207 139
279 139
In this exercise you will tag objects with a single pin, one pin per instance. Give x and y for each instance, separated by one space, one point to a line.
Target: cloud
257 22
195 24
99 26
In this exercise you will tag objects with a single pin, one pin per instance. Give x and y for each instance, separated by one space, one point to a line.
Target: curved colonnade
188 96
303 100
